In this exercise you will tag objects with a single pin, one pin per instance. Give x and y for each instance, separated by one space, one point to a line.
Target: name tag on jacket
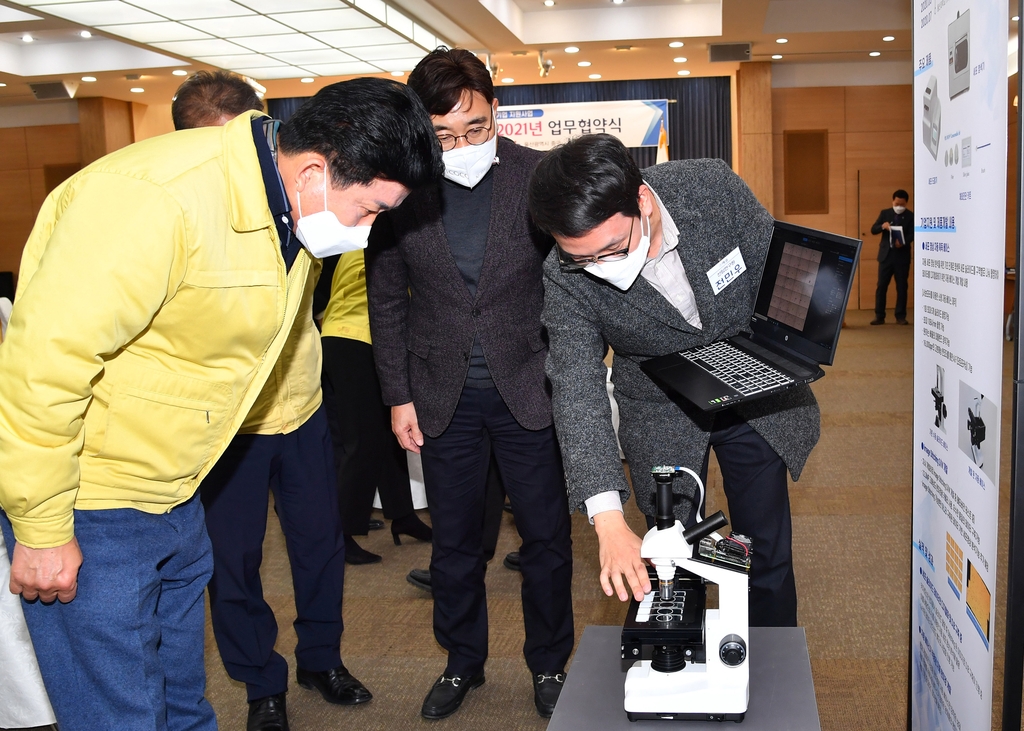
725 272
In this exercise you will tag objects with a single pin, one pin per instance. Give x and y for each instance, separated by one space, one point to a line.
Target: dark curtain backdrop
699 122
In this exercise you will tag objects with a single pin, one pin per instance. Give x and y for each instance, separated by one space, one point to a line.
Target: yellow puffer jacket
347 314
153 304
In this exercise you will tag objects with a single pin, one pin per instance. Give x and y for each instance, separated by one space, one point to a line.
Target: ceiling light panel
395 50
250 25
193 9
343 69
400 22
241 61
276 72
361 37
399 64
304 58
276 44
212 47
288 6
155 32
104 12
377 8
319 20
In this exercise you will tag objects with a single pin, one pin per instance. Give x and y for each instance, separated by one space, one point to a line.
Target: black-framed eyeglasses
575 263
474 136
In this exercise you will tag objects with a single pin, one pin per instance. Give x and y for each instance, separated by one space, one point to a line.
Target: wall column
754 93
105 125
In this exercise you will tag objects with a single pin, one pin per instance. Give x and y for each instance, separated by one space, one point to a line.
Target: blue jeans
127 652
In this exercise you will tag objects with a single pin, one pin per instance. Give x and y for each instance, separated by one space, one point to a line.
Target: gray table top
781 687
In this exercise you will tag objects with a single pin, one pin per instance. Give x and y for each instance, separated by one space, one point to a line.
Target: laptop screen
806 284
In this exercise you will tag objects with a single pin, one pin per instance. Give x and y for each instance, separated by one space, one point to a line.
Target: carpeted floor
851 513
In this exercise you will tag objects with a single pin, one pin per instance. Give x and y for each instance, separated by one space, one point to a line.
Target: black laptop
801 302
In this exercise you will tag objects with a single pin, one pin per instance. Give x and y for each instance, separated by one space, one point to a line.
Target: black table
781 687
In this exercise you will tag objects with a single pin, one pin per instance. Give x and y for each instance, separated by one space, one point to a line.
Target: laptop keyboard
737 369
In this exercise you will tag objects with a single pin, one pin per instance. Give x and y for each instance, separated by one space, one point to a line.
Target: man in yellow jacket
156 294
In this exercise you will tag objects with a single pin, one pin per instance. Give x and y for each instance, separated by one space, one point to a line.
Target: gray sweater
715 213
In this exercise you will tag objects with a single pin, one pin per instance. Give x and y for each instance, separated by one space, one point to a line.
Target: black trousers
895 266
299 468
455 466
367 455
754 480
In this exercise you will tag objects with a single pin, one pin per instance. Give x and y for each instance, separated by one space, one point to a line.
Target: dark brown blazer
423 320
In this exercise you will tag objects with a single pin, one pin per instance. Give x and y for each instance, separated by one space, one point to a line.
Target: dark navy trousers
299 468
455 466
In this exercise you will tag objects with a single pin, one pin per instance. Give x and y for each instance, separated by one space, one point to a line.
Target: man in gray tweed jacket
628 273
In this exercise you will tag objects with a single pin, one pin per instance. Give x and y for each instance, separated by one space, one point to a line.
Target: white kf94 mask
323 234
623 273
468 165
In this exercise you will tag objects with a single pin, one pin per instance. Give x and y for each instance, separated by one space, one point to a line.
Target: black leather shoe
336 686
420 578
412 526
876 321
546 689
267 714
357 555
375 524
511 561
447 695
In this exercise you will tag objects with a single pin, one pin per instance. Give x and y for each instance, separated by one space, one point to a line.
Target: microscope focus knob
732 650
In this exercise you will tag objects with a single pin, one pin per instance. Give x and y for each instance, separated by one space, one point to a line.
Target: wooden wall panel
104 125
757 168
151 120
754 92
879 109
811 108
56 144
13 154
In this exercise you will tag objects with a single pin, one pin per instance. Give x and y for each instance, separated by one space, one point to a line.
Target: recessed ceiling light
27 38
623 48
307 80
508 80
679 59
583 63
136 90
675 44
595 76
875 53
398 73
1015 18
572 49
88 78
179 72
684 72
618 2
782 40
888 38
776 56
85 34
2 85
549 3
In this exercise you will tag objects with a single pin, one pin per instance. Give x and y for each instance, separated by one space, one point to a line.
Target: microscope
688 662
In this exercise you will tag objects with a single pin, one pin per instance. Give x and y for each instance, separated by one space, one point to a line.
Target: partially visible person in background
366 453
896 225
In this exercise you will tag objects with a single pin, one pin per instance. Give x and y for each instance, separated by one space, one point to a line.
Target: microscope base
687 695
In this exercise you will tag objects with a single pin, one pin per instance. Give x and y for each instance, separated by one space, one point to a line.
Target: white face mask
623 273
899 209
323 235
468 165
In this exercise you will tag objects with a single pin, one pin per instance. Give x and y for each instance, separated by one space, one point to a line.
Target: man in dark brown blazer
455 294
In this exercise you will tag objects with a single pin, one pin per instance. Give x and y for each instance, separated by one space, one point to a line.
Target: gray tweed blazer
714 211
423 319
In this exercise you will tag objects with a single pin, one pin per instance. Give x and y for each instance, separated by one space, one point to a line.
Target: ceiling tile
154 32
275 72
212 47
275 44
399 22
192 9
393 50
104 12
361 37
241 61
399 64
251 25
289 6
322 20
10 15
304 58
376 8
343 69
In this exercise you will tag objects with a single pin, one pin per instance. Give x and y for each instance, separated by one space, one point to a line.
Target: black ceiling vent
54 90
728 52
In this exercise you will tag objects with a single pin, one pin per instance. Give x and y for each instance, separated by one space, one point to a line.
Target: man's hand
620 556
406 427
46 573
886 226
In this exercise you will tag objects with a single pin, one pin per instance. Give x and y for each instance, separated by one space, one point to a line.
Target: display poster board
960 59
543 126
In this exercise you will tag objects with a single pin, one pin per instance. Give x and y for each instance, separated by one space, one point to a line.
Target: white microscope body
718 688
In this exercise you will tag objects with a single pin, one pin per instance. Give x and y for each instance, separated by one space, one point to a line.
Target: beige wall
870 145
151 120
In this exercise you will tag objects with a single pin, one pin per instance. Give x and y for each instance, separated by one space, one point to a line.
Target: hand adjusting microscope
688 662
